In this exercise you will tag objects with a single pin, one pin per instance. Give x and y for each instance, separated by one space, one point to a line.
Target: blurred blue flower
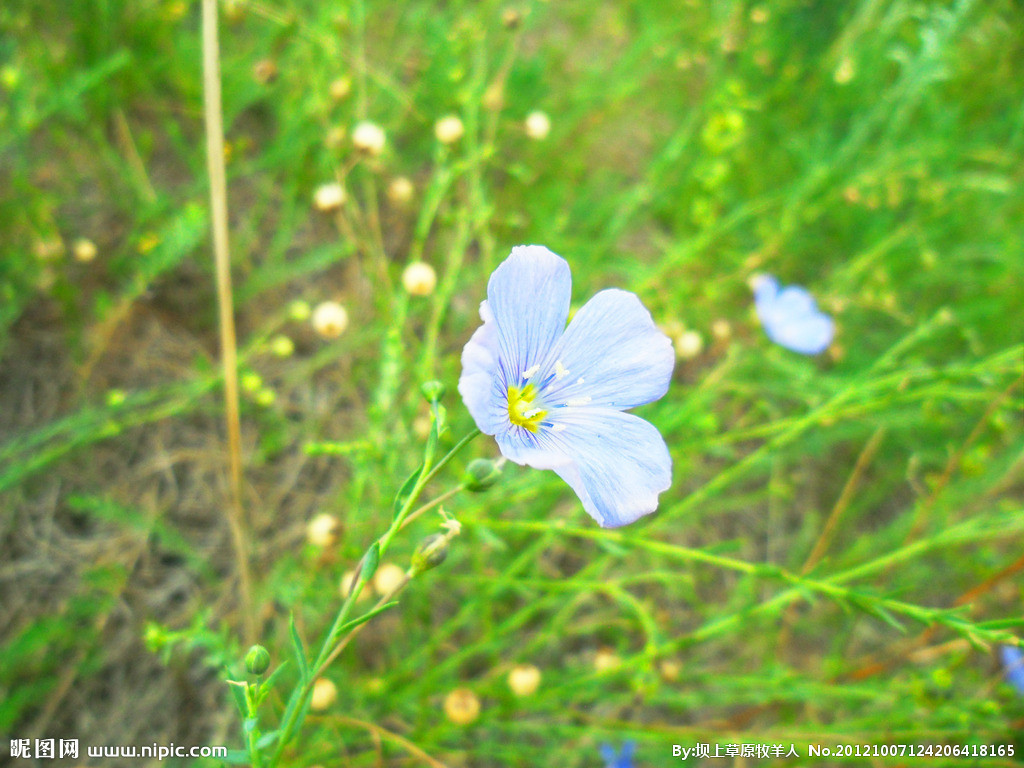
1013 662
623 759
553 397
791 317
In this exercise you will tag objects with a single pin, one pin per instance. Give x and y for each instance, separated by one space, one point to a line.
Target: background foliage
841 548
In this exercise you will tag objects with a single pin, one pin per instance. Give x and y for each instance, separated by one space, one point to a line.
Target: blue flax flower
1013 662
553 397
791 317
623 759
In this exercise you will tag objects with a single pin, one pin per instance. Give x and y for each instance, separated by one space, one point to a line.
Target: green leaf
238 694
350 625
370 561
237 757
267 739
268 682
300 653
406 489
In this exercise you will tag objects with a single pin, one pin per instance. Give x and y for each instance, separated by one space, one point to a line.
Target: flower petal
480 383
791 317
528 295
616 462
611 355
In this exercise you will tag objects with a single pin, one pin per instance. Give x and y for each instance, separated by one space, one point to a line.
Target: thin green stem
332 639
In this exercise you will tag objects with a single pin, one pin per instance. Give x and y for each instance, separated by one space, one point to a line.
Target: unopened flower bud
257 660
480 475
251 382
431 552
433 390
299 311
282 346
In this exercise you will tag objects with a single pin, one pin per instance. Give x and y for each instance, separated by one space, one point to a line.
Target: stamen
558 427
531 371
579 380
577 401
531 413
560 371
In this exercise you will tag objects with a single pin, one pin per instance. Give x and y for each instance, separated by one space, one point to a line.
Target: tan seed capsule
462 706
670 670
494 97
688 345
341 88
449 129
322 531
400 190
524 679
419 279
264 71
325 693
330 319
538 125
606 660
329 197
335 137
84 250
388 578
369 138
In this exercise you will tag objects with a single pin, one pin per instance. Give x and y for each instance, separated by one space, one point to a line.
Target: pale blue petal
791 317
809 335
529 297
616 463
612 355
1013 663
481 381
765 291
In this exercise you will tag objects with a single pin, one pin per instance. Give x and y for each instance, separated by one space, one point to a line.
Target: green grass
867 150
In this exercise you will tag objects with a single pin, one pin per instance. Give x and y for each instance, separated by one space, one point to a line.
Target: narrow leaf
300 653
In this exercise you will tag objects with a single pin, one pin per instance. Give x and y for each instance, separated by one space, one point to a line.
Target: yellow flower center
521 410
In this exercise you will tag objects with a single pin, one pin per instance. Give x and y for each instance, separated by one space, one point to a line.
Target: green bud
251 381
480 475
282 345
116 397
257 660
433 390
299 311
430 553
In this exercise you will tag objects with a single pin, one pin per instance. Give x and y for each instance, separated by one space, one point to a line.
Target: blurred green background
840 552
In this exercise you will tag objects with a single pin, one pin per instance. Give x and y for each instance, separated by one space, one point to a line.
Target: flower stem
332 639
